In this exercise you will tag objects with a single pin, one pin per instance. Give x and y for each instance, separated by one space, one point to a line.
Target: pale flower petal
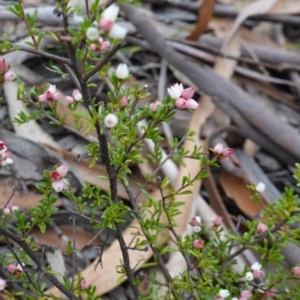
111 12
117 32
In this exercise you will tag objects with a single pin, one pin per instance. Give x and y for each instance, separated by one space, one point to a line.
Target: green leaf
166 181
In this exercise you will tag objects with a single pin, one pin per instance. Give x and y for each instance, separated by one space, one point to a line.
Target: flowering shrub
209 251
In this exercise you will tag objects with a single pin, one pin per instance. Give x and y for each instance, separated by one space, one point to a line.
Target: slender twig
40 52
20 263
24 18
74 252
102 62
14 190
87 10
171 228
41 266
101 251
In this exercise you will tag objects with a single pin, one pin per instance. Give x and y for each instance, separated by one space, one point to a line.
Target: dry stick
282 58
37 261
227 11
223 90
112 174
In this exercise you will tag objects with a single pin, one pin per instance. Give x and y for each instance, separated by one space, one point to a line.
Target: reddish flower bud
196 221
261 227
9 76
93 47
124 100
296 271
246 294
198 243
2 284
218 221
153 107
106 24
3 66
104 46
270 294
84 284
180 103
3 147
191 104
188 93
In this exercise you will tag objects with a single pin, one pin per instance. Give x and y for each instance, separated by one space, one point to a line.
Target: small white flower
260 187
174 92
9 161
92 33
122 71
117 32
234 298
110 121
256 266
111 12
249 276
52 88
78 97
224 293
196 229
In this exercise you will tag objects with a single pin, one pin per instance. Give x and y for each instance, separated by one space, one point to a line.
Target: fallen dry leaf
51 238
205 12
105 279
21 199
235 188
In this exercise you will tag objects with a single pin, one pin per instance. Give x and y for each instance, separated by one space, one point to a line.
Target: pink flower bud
218 149
153 107
124 100
10 208
196 221
191 104
270 294
104 46
106 24
3 66
188 93
228 152
180 103
62 170
14 268
198 243
261 227
296 271
93 47
221 153
69 99
100 40
2 284
246 294
258 274
84 284
218 221
9 76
